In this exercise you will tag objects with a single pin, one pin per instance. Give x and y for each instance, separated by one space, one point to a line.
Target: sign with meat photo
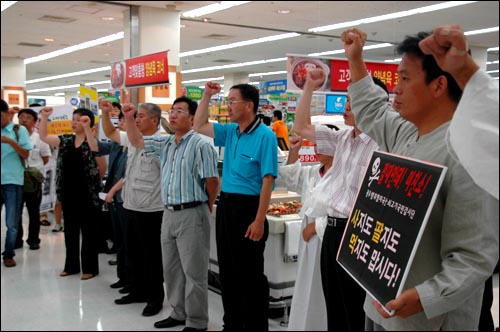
298 67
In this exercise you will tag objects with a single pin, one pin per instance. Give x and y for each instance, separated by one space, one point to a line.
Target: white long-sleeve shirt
473 132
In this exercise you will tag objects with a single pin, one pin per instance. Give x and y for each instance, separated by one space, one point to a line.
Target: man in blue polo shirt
15 146
250 167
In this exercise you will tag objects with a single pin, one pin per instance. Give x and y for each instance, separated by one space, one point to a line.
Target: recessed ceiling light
283 11
183 26
107 54
107 18
49 39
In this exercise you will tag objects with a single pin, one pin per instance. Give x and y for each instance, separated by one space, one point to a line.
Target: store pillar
13 78
233 79
147 31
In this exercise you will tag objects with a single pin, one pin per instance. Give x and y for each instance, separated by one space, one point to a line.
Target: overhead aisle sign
337 73
145 70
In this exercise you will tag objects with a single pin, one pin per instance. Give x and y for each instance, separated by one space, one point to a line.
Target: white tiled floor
34 297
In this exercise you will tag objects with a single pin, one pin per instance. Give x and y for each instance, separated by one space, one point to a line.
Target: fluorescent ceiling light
77 73
98 83
74 48
327 53
64 87
492 71
240 44
491 49
480 31
393 60
492 62
59 94
341 51
222 5
268 73
7 4
204 80
234 65
392 16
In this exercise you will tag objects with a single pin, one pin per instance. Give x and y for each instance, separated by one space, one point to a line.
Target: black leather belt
183 206
336 222
237 196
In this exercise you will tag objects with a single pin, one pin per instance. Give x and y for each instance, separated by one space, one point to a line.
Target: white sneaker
57 228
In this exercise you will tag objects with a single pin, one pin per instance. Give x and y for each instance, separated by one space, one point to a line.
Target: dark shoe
125 290
151 310
118 284
129 299
44 222
113 262
187 328
169 322
34 246
9 262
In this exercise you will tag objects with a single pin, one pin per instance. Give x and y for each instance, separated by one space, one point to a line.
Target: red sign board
340 74
149 69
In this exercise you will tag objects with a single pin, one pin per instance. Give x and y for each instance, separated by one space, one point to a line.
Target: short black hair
115 104
28 111
4 106
35 105
191 104
87 112
248 93
278 115
429 65
381 84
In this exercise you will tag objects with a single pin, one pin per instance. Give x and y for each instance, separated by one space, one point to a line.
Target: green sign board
193 92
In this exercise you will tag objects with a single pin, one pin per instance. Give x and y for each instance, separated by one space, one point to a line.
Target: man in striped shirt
353 150
189 184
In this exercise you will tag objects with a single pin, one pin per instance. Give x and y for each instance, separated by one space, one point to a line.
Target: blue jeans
12 197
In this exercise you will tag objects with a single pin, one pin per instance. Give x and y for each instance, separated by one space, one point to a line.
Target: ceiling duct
218 36
57 19
30 44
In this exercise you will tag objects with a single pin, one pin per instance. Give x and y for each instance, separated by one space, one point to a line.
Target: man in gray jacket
143 210
459 248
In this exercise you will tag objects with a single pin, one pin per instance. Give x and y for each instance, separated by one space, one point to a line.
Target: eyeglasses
177 111
231 103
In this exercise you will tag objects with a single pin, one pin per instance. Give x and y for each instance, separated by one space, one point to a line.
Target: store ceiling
23 33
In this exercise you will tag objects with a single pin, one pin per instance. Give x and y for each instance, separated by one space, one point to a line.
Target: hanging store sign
337 73
145 70
340 75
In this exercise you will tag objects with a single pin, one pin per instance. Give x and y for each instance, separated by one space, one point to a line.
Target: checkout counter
280 255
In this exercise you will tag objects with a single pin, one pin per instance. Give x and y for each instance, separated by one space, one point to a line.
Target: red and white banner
145 70
340 75
337 73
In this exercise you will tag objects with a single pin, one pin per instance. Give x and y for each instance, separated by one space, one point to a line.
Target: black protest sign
387 222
